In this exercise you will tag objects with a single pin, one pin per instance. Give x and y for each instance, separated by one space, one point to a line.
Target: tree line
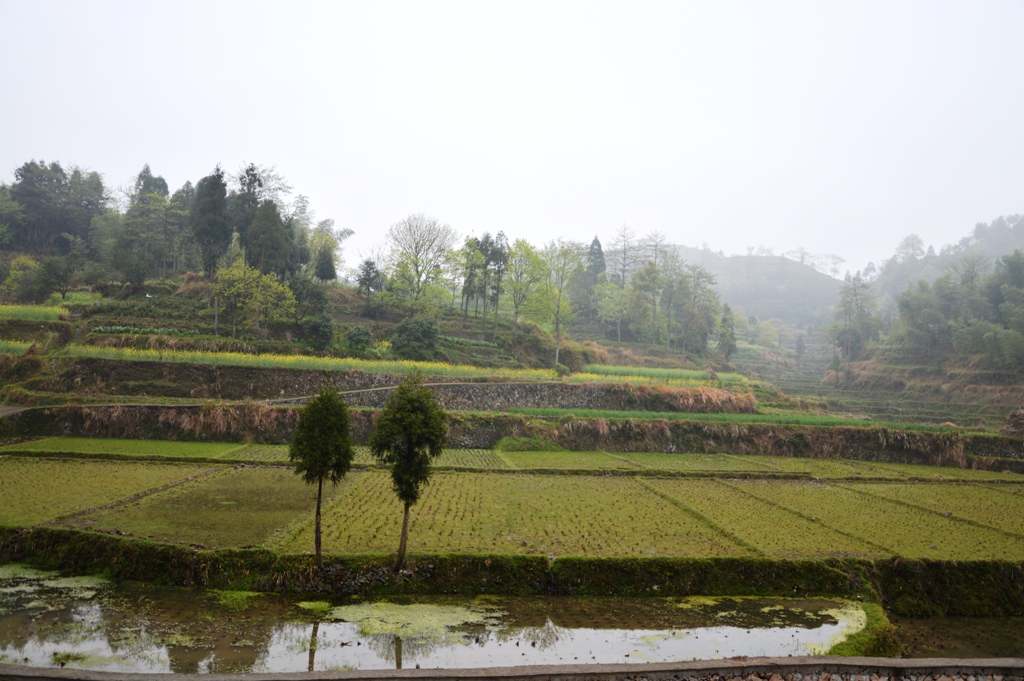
973 312
266 257
639 291
69 225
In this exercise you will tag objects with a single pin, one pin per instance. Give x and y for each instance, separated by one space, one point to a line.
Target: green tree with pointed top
408 435
321 448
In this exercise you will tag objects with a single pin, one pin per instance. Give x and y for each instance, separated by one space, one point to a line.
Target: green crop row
771 419
307 362
486 459
468 342
33 313
134 330
666 374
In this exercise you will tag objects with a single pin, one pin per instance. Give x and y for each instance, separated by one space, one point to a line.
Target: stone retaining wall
504 396
90 376
738 669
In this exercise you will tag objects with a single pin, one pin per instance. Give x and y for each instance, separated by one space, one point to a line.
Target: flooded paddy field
86 622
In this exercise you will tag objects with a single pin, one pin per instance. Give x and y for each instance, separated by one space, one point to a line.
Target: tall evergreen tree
727 333
268 245
210 225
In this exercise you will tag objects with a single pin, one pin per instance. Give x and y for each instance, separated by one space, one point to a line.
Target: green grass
34 491
240 507
73 298
665 374
307 362
769 419
133 448
33 313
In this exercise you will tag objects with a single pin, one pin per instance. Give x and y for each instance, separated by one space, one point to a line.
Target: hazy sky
838 127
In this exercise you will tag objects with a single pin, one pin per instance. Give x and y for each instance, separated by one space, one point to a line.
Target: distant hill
989 242
769 286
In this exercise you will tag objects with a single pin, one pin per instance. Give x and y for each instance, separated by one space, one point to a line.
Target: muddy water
84 622
961 636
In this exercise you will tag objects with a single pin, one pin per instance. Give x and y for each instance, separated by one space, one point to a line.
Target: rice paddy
598 504
134 448
538 515
35 491
239 507
642 463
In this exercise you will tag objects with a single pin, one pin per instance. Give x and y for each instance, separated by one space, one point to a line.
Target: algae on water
421 621
21 571
236 600
851 618
315 608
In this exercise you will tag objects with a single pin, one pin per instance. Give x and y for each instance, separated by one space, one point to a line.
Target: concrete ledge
739 669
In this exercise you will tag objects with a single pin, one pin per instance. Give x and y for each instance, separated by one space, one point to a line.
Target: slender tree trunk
495 334
319 494
558 344
398 652
400 563
618 328
216 316
312 645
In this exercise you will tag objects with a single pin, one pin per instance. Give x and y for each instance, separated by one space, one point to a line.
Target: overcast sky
839 127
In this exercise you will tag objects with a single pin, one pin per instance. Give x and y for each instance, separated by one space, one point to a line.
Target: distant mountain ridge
769 286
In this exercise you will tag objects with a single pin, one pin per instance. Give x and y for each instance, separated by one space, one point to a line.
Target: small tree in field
321 448
408 435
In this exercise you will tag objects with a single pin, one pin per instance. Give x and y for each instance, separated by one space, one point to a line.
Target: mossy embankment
908 588
262 423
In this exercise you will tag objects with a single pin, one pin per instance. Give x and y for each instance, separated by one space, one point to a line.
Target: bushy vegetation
667 374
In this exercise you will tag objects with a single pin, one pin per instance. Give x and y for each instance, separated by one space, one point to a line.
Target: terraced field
487 459
128 448
35 491
529 514
536 503
897 528
238 507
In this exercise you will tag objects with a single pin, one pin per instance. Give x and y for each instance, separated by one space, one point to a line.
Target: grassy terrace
530 503
306 362
33 313
788 419
639 463
593 373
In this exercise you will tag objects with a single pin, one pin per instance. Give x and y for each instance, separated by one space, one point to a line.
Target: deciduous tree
420 246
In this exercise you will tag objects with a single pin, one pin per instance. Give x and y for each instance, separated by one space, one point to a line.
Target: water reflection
49 621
